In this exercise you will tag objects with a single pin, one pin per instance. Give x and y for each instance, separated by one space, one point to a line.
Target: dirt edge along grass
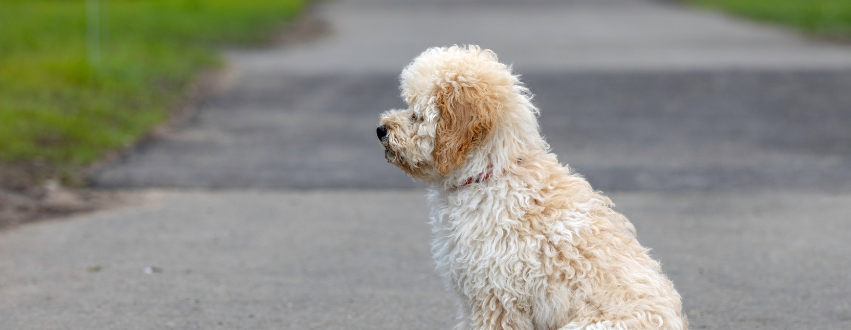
61 108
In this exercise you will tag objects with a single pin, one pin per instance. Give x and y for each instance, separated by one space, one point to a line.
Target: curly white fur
531 245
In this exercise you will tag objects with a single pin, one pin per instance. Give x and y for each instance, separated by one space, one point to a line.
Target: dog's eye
414 117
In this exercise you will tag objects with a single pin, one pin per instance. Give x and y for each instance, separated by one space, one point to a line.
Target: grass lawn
68 96
825 18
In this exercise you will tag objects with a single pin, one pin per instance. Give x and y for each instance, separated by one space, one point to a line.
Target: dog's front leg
494 311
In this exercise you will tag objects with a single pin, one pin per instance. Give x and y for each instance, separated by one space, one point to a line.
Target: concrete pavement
725 142
230 260
359 260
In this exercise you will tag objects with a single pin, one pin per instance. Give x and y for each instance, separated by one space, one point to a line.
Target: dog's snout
382 132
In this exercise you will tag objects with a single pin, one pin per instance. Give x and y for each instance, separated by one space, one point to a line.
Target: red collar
481 177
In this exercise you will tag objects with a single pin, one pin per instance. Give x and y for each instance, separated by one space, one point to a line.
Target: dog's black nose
382 132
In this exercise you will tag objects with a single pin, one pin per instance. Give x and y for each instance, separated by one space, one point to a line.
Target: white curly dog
522 242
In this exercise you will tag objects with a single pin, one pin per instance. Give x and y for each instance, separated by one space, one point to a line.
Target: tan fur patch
467 115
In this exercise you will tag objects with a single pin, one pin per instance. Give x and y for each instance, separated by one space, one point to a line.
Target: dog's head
458 99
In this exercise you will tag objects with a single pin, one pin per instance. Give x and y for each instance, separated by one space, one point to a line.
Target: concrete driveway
728 145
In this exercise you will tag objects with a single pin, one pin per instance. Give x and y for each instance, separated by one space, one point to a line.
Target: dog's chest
478 245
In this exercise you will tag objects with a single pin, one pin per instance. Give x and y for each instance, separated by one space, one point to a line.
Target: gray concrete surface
359 260
727 144
239 260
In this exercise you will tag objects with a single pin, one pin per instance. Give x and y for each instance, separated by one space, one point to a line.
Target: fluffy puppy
522 242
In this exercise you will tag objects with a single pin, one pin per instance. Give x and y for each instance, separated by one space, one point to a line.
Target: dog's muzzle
389 155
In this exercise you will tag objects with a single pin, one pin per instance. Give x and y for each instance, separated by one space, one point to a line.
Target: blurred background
83 80
216 159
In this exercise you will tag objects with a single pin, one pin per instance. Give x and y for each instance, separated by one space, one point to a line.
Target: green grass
59 109
824 18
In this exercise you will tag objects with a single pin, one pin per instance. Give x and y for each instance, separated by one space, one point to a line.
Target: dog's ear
467 114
